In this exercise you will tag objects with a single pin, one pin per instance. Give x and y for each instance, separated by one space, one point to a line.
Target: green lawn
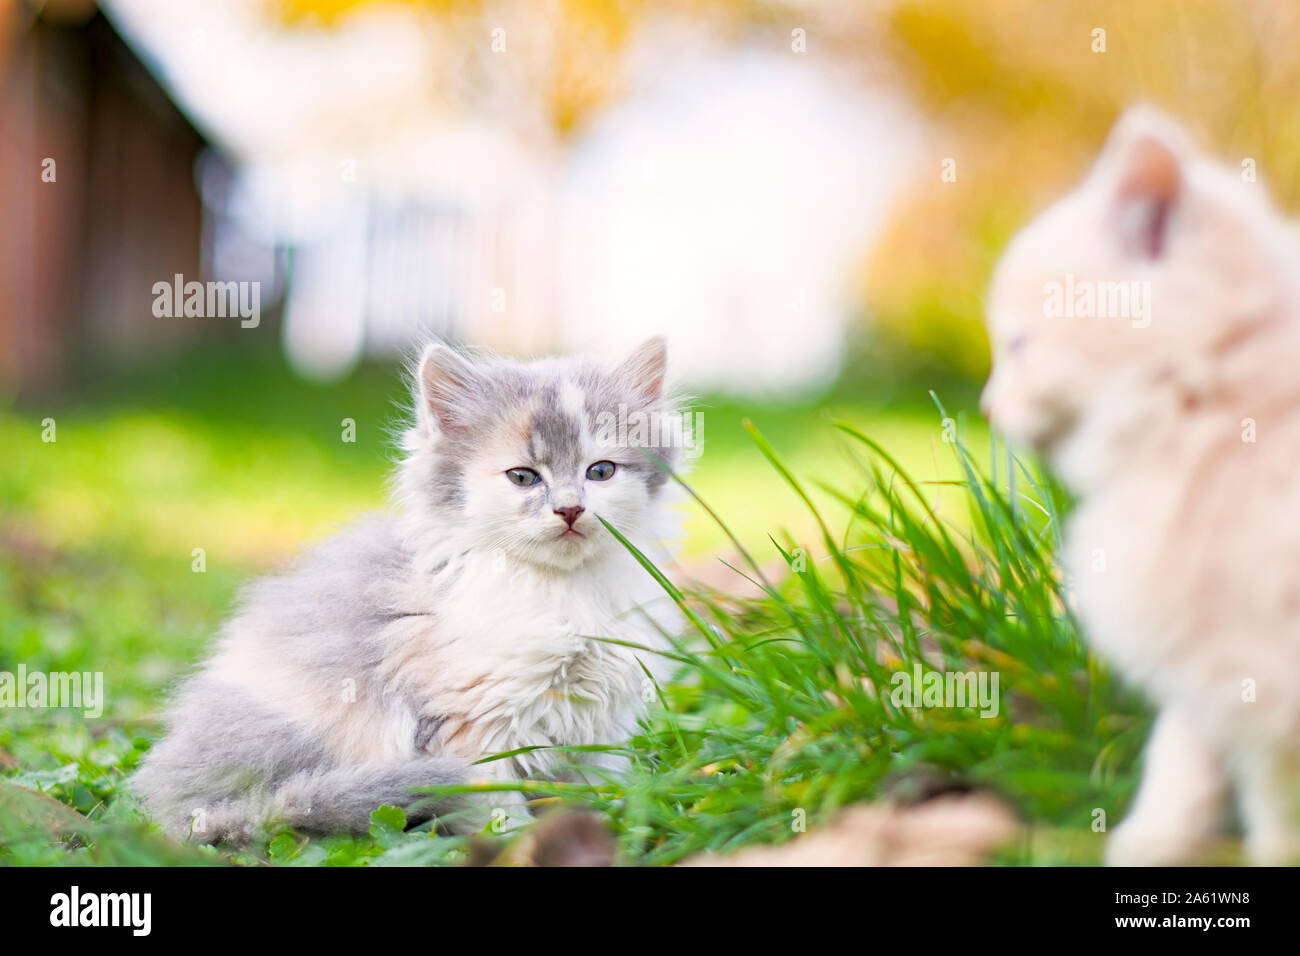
231 454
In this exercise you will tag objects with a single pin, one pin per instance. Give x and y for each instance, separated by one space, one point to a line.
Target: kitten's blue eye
523 477
601 471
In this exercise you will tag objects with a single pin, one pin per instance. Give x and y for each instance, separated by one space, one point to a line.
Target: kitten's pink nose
570 515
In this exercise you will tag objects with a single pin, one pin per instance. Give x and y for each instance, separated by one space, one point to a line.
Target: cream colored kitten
1147 341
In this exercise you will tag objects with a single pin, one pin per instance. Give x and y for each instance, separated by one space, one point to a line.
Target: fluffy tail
335 800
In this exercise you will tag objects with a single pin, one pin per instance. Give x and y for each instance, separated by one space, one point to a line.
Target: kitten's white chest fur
519 658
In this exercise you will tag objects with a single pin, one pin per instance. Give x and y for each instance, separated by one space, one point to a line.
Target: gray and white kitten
459 626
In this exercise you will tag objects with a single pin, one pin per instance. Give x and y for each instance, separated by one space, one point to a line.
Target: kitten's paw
489 817
1139 843
503 819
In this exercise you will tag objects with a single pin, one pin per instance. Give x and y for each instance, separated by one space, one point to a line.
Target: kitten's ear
1145 158
446 382
643 371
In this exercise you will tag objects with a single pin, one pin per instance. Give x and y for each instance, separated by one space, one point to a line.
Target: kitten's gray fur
233 761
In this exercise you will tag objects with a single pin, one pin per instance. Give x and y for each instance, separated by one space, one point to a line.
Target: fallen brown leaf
954 830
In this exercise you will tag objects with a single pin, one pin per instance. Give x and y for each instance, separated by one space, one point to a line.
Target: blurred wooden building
97 193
